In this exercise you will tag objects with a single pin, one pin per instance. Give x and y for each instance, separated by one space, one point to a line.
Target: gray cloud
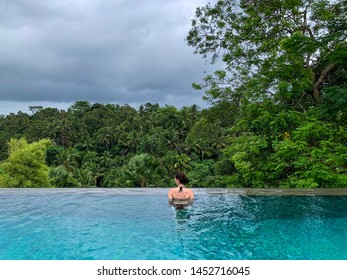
123 51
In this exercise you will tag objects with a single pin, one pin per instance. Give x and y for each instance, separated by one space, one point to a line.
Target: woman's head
182 178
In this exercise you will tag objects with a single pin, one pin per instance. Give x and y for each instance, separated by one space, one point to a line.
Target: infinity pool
139 224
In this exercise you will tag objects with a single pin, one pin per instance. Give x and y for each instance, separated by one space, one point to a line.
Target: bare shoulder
171 191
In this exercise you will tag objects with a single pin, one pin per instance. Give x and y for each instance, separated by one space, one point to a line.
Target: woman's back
181 193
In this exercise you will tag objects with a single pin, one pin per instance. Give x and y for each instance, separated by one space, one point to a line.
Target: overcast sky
56 52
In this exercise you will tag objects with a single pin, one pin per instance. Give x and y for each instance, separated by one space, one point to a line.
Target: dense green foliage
278 116
96 145
25 166
287 49
118 146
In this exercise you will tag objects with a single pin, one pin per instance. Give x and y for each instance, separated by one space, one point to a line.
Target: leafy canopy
287 50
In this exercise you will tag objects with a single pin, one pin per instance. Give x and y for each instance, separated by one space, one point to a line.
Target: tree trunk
315 90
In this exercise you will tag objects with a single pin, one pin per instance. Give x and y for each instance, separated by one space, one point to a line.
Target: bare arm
169 195
191 194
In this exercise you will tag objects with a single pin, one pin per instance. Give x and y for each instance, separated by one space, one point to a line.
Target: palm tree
68 158
143 170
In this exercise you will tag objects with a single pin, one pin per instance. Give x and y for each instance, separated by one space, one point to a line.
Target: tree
271 147
13 126
313 155
283 49
25 166
206 138
68 158
174 162
142 170
61 178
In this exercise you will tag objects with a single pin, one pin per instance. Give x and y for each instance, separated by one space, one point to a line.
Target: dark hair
182 177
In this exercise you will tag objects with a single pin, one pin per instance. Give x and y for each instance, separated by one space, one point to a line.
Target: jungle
277 116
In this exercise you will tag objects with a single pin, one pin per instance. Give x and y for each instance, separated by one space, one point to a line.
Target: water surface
131 224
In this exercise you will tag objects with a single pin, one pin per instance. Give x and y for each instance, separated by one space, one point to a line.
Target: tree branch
315 91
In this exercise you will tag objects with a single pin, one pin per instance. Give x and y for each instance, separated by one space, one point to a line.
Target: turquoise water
131 225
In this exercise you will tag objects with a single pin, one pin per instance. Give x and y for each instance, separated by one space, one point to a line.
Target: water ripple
79 224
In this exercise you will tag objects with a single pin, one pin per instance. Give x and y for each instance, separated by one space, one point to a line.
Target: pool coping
162 191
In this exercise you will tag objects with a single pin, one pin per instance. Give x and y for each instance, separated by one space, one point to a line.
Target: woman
181 196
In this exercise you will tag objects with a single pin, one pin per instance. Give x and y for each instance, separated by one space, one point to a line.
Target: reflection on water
182 214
